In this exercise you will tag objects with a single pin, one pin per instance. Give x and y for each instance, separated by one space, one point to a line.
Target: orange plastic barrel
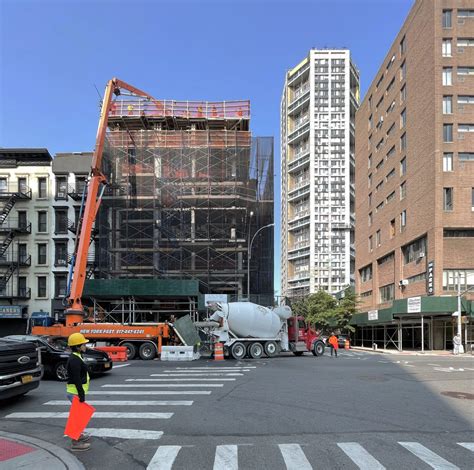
218 352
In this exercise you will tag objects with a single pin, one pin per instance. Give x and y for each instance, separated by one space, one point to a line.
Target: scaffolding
187 185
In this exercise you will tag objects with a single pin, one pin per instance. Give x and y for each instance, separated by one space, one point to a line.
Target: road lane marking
184 379
159 385
435 365
164 458
215 368
294 457
119 365
149 392
428 456
226 458
97 414
204 374
209 371
125 433
125 403
467 445
360 456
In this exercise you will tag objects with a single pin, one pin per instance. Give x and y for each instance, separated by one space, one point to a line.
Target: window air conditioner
60 194
421 255
403 282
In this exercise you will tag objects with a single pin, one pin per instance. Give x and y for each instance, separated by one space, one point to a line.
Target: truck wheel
238 351
298 353
131 350
147 351
271 349
318 348
60 372
256 350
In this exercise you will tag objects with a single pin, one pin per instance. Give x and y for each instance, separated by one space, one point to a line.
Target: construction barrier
116 353
218 352
177 353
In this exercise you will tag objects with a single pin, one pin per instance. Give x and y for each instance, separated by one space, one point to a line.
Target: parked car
341 340
20 368
55 355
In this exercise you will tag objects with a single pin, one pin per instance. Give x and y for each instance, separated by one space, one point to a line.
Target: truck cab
303 338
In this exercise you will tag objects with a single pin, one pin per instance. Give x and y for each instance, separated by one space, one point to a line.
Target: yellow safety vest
71 388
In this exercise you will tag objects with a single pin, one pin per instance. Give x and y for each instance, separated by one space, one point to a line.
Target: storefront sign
430 278
373 315
414 305
11 311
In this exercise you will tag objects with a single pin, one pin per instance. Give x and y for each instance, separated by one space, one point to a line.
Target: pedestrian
78 382
333 344
457 344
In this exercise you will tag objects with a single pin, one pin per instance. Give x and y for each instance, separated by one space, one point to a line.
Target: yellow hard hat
76 339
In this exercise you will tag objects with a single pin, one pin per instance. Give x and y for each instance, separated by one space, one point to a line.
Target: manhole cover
460 395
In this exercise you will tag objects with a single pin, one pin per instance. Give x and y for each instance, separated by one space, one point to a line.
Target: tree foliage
326 312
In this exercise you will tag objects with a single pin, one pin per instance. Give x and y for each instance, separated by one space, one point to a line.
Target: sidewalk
412 353
18 451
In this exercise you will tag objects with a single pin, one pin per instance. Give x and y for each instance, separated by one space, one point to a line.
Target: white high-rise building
318 106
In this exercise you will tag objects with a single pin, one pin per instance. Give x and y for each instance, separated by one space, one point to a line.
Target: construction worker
78 382
332 340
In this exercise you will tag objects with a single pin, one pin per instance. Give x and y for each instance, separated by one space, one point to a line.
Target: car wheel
147 351
271 348
318 348
131 350
60 372
256 350
238 350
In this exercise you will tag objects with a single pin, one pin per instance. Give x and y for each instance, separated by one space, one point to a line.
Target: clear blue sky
54 52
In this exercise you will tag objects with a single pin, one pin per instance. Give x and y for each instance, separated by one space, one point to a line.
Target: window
42 286
390 130
370 199
80 184
370 180
42 253
465 127
465 99
403 93
447 76
366 273
447 133
379 207
370 122
414 250
403 190
403 46
403 71
448 199
42 221
390 86
22 187
447 104
22 220
465 13
391 196
387 293
61 221
380 80
453 277
403 166
60 257
370 219
378 237
472 199
403 142
403 119
370 102
446 48
454 233
61 187
379 186
392 228
391 107
380 164
3 185
370 161
403 220
60 285
447 18
22 289
386 259
22 253
465 42
390 174
447 161
371 247
465 71
42 188
466 156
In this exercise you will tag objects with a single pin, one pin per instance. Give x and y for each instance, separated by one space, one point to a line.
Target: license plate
26 379
107 365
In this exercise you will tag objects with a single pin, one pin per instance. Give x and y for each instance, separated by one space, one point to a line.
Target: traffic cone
346 344
218 352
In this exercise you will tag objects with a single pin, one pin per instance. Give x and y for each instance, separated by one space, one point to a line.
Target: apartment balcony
299 160
300 98
298 215
299 132
17 226
300 276
16 191
295 194
21 260
302 71
20 294
298 223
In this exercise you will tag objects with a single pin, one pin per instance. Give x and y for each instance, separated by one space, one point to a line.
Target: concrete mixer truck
250 329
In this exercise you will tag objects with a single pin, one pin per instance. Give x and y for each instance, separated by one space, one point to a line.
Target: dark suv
20 368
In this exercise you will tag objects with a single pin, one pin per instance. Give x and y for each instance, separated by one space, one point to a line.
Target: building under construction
187 188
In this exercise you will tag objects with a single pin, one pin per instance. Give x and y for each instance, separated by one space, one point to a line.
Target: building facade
415 181
319 101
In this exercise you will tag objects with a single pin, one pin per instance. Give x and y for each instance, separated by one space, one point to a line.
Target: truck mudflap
186 331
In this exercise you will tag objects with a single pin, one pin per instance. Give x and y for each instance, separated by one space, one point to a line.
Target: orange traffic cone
218 352
346 344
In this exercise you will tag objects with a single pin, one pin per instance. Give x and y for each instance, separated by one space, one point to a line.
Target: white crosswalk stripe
125 403
215 368
226 458
294 457
360 456
97 415
209 371
164 458
467 445
125 433
160 385
184 379
429 457
202 374
149 392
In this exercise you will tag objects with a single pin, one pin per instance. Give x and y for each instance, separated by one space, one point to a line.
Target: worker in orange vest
333 343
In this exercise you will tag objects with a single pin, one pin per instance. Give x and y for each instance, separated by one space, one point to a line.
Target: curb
403 353
58 453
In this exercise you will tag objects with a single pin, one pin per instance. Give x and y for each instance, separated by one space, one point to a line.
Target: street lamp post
460 294
249 256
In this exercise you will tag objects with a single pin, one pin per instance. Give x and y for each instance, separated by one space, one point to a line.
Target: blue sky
54 53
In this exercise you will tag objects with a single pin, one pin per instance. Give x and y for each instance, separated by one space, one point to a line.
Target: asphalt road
361 410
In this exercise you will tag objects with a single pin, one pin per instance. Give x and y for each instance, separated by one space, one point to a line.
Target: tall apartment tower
415 180
318 106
